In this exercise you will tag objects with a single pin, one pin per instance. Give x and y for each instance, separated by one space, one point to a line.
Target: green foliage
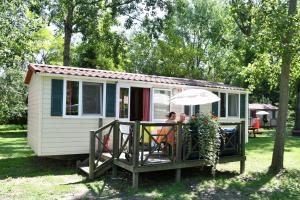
205 129
13 95
103 49
267 23
191 43
236 42
18 23
47 47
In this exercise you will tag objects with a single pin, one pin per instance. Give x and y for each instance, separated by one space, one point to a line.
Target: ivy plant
206 137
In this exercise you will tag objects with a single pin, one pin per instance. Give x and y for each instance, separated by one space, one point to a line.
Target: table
255 130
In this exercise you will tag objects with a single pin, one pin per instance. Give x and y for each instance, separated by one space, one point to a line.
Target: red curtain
146 104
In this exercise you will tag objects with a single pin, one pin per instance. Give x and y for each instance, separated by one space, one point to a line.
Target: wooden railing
96 153
137 145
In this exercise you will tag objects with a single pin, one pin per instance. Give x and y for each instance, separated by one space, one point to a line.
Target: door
139 104
123 103
123 108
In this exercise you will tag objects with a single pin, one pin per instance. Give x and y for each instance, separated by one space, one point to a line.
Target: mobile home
266 121
65 103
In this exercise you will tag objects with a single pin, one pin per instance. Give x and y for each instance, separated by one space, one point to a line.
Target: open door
139 104
133 103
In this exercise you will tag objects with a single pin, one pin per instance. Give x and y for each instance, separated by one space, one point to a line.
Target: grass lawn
24 176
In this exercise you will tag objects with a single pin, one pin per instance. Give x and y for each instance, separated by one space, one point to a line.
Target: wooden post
100 146
136 138
135 180
114 170
92 155
116 139
116 136
135 156
100 123
179 135
143 138
242 162
178 175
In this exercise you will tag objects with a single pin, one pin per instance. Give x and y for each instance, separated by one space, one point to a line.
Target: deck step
100 169
106 165
86 170
106 156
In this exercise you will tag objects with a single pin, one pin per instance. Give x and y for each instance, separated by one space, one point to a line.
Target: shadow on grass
260 144
18 134
198 184
32 166
267 185
161 184
18 160
9 127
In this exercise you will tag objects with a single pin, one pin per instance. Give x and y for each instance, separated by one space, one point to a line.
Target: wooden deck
133 152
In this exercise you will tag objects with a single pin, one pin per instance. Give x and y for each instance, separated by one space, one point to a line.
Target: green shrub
205 130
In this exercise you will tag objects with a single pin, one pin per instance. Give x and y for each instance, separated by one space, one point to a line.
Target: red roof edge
29 74
96 73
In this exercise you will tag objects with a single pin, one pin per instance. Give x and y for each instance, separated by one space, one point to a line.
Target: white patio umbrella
262 113
194 97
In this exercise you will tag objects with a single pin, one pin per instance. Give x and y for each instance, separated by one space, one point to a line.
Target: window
91 98
233 105
215 107
83 98
124 102
187 110
253 113
273 114
196 109
223 105
72 98
192 110
161 101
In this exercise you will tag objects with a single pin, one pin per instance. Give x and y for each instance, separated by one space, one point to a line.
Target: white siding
34 113
62 136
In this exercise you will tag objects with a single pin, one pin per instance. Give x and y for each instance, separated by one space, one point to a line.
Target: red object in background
146 104
256 123
105 143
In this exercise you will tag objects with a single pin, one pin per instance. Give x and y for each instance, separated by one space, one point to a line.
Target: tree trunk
296 130
68 27
278 152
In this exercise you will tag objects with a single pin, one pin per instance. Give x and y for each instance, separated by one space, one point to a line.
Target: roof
260 106
86 72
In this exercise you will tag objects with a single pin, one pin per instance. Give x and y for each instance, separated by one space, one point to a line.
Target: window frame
238 107
192 110
100 99
226 105
80 99
153 103
65 99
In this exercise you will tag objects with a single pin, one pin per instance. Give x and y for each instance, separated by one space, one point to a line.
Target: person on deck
167 132
171 117
182 118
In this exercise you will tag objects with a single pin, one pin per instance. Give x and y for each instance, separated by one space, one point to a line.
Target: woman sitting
167 133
